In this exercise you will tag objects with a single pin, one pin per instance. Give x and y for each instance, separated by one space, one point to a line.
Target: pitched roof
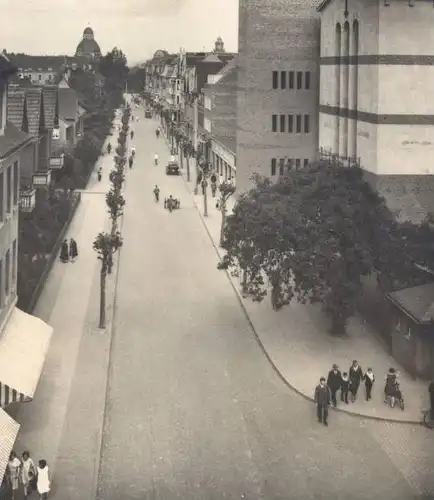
42 63
34 109
68 103
203 70
211 58
7 67
16 102
226 71
417 302
49 95
12 140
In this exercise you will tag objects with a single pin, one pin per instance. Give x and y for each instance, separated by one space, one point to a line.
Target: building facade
22 336
375 102
220 119
278 86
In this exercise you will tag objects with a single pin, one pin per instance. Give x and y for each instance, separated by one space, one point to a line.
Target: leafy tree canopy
313 234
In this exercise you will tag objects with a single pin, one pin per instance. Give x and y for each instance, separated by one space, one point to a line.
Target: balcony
347 161
56 162
42 178
27 199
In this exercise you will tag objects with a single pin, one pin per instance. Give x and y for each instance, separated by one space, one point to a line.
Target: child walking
345 387
369 382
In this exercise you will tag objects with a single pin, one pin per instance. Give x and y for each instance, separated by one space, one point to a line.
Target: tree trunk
102 298
205 202
188 168
222 228
339 324
110 258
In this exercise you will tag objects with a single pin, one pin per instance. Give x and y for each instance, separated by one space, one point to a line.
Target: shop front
223 161
24 343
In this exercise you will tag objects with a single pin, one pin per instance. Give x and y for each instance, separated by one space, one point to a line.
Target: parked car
148 114
172 168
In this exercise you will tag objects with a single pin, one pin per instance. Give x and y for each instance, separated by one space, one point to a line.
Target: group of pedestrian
32 477
348 383
69 251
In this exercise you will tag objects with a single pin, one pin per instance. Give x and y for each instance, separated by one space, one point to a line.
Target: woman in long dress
14 466
43 484
28 473
73 249
64 252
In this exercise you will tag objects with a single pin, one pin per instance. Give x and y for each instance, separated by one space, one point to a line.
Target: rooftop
38 63
417 302
12 140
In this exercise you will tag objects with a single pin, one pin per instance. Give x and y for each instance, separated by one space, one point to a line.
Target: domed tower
219 46
88 47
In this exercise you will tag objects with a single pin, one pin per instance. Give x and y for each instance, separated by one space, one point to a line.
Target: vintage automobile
172 168
148 113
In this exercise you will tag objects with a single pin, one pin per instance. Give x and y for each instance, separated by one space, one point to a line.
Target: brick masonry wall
274 35
224 109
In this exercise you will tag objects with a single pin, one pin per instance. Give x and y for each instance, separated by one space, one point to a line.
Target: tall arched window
337 87
354 86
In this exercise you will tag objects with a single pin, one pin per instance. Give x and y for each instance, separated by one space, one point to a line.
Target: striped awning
8 434
24 343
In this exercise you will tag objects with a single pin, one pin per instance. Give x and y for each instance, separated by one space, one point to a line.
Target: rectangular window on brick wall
9 190
306 124
290 124
283 79
299 80
298 124
16 182
281 166
282 123
274 123
275 79
297 163
8 273
273 166
305 163
291 80
307 80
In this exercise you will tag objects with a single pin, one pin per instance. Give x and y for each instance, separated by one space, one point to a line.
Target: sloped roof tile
49 95
34 106
68 103
416 301
15 110
43 63
12 140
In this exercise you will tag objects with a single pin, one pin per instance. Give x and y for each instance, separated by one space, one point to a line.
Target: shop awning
8 434
24 344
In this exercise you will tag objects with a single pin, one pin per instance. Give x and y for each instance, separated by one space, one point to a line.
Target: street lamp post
227 189
204 168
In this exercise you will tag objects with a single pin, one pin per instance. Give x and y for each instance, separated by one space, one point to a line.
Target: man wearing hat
334 382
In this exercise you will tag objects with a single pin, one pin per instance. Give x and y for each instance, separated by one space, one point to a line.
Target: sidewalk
63 424
296 341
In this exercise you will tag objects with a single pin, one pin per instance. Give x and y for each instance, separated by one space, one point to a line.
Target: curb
264 350
110 330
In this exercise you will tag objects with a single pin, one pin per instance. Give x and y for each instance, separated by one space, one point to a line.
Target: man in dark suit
334 381
322 400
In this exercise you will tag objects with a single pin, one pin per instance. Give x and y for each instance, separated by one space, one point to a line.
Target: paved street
194 409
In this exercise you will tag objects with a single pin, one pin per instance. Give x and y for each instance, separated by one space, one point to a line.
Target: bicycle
426 419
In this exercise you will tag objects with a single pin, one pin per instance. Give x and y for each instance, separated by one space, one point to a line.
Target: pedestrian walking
43 481
431 399
28 474
322 400
334 382
355 374
369 382
345 387
64 252
130 161
99 174
14 468
73 249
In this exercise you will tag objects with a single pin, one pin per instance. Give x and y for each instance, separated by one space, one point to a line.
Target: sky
138 27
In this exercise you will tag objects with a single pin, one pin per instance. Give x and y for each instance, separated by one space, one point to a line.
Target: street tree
227 189
105 245
115 203
314 234
117 179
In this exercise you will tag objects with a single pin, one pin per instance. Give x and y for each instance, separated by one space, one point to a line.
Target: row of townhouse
340 79
199 91
37 124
